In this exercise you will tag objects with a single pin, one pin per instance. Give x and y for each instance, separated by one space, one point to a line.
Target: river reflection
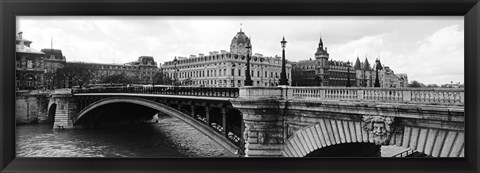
168 138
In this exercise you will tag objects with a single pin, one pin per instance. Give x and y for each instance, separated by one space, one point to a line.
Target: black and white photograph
239 86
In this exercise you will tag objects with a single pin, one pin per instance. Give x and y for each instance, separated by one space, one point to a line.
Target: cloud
422 46
367 46
439 58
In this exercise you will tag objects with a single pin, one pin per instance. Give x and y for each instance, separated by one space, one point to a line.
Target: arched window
30 80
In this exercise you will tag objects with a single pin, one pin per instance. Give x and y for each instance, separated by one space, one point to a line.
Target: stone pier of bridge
65 108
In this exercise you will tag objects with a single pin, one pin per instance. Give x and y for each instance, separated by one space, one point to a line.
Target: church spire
321 42
321 51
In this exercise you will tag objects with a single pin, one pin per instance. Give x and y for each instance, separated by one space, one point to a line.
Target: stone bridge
286 121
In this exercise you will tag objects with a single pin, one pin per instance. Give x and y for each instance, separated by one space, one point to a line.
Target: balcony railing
416 95
166 90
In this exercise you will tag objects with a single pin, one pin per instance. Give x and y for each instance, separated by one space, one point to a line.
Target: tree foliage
53 80
416 84
187 81
161 78
76 74
120 78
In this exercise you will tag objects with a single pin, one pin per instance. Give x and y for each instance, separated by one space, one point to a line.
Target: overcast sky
429 49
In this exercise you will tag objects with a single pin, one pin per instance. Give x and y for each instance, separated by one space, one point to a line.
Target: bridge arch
203 128
52 109
327 132
53 105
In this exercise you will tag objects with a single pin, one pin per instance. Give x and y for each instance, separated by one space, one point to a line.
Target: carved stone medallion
380 127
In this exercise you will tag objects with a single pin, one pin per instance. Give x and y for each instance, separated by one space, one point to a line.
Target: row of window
29 64
222 65
37 64
108 67
222 57
334 74
222 72
230 83
106 73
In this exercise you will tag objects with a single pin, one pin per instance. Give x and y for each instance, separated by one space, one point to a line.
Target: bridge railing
167 90
404 153
418 95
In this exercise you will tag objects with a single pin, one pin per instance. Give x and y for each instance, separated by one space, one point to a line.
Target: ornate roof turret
22 45
320 44
239 42
321 53
366 65
357 65
240 38
53 53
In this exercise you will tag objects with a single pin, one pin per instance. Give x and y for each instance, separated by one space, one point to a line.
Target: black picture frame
470 9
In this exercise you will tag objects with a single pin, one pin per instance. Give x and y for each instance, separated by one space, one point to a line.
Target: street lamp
377 82
283 75
233 74
248 79
176 70
364 83
348 74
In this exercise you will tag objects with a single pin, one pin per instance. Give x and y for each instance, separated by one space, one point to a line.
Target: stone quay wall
31 106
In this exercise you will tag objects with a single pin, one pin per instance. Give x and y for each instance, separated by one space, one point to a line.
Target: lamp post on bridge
365 78
233 74
176 71
248 78
377 82
348 74
283 75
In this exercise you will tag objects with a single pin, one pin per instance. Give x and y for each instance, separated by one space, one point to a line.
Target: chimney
325 49
20 35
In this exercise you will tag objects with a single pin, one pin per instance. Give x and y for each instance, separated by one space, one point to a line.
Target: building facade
144 69
227 69
387 78
30 69
53 60
364 73
322 71
325 72
403 80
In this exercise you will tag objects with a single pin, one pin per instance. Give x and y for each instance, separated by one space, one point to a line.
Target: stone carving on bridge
262 137
380 127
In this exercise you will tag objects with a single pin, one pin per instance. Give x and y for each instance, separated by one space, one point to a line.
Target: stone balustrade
413 95
167 90
416 95
297 121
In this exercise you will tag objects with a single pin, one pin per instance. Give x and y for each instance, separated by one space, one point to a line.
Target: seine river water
169 137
